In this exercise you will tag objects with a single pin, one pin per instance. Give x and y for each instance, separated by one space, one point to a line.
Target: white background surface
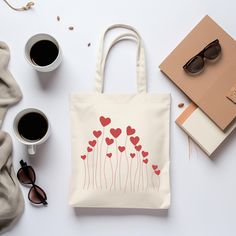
203 190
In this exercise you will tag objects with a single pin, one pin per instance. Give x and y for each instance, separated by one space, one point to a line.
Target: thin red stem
130 172
93 169
103 131
120 170
88 170
111 175
141 163
127 175
85 174
153 182
140 167
147 177
136 172
96 168
104 168
116 168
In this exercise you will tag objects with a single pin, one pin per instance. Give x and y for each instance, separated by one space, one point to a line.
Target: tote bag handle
140 60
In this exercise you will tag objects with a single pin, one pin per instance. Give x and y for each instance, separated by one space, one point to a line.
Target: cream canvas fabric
120 142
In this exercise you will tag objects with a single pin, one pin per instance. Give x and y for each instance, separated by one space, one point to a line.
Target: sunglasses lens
26 175
195 65
212 51
37 195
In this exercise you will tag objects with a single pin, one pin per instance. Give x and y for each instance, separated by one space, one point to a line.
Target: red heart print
109 141
144 154
132 155
97 133
138 148
105 121
109 155
83 157
134 140
115 132
92 143
89 149
130 130
154 167
145 161
121 148
157 172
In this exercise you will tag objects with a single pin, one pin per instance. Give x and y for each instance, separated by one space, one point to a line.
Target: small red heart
89 149
115 132
132 155
97 133
105 121
109 141
145 161
157 172
83 157
109 155
130 130
144 154
154 167
138 148
134 140
121 148
92 143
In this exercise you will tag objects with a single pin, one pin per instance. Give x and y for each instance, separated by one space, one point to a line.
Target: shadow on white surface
47 79
219 153
84 212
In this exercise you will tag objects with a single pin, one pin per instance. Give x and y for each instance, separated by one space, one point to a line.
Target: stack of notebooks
210 118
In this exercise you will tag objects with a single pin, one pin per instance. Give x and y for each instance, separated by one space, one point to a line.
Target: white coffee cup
35 39
34 124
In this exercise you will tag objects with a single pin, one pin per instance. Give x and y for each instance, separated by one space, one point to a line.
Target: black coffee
44 52
32 126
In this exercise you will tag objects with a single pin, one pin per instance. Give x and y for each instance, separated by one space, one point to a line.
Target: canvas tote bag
120 142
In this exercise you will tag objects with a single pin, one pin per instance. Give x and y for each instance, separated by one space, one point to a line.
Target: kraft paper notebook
210 88
202 130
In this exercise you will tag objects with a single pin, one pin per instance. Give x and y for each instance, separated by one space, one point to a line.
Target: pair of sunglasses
26 175
210 52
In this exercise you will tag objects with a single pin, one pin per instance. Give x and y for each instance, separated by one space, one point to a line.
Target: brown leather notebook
211 88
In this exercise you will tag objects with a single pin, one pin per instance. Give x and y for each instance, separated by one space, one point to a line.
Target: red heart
121 148
130 130
138 148
89 149
97 133
134 140
144 154
132 155
105 121
145 161
157 172
154 167
109 155
83 157
115 132
92 143
109 141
